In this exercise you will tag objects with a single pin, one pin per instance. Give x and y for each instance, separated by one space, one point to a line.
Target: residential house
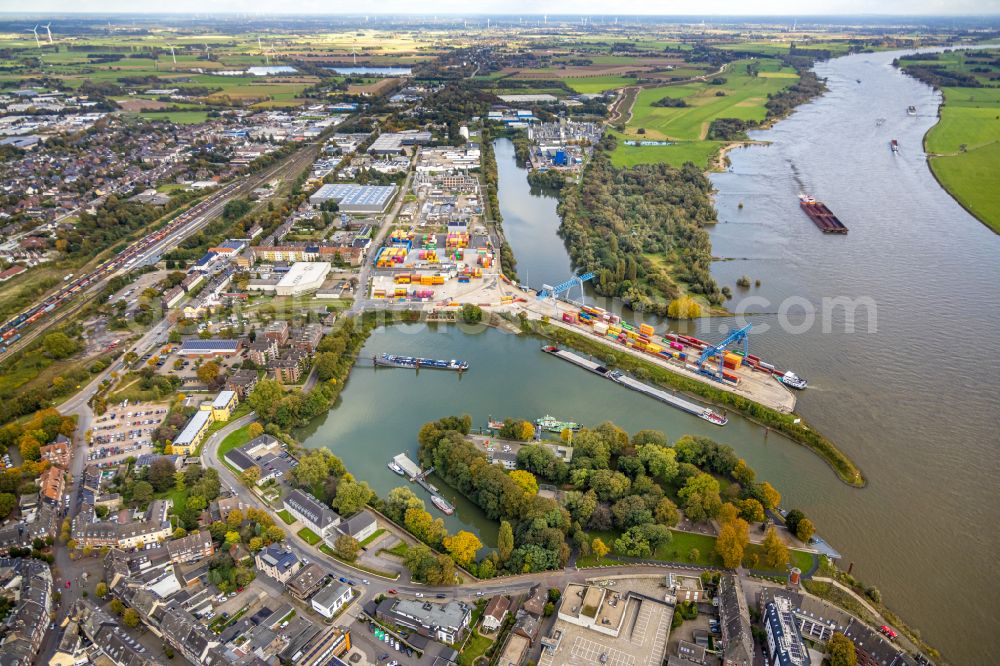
441 622
328 601
263 350
192 547
360 526
308 338
312 513
277 331
53 484
734 620
496 612
306 582
277 562
242 382
223 405
194 431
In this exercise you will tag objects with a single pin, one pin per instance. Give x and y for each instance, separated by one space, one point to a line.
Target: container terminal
822 216
628 382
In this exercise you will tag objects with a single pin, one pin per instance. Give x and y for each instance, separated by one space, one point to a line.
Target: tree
684 308
265 398
526 480
775 550
700 497
232 538
792 519
771 498
629 511
251 475
660 462
751 510
805 530
59 345
694 554
666 513
743 473
255 430
841 650
399 500
161 474
598 548
101 590
463 547
472 314
142 492
316 466
208 372
346 547
633 543
505 541
352 496
130 618
7 503
733 538
116 607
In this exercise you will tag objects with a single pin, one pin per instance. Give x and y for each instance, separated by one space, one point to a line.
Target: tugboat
552 424
894 145
792 380
911 110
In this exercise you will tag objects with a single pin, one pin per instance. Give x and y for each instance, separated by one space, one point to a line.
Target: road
361 300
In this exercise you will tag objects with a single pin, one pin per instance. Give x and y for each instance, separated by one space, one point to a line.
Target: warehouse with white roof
354 198
302 278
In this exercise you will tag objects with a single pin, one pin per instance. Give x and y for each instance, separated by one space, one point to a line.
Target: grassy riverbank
846 470
963 148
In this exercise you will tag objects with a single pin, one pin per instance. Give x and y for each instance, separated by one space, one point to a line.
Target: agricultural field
964 146
597 84
741 96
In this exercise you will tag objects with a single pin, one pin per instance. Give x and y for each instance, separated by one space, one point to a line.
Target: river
912 402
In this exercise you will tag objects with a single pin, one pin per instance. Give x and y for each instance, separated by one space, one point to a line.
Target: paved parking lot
125 431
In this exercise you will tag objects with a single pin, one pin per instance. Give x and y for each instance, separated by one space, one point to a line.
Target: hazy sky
466 7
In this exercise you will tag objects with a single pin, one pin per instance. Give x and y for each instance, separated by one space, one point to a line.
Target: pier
419 476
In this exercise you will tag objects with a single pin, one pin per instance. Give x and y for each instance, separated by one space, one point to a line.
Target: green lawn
742 96
234 439
376 534
286 517
309 536
475 646
399 550
596 84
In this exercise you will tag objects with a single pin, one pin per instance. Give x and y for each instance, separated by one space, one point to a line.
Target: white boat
911 110
792 380
395 468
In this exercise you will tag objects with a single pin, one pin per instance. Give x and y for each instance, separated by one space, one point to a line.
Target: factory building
354 198
304 277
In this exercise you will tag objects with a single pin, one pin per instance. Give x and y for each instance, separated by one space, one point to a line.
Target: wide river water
912 399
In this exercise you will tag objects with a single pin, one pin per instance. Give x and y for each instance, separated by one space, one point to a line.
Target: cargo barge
394 361
552 424
821 216
626 381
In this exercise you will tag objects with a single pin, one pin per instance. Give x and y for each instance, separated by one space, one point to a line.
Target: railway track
24 328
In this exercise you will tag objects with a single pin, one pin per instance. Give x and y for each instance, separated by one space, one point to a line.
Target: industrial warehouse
352 198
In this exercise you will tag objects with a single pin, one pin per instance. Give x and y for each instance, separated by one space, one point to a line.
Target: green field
964 146
742 96
592 85
179 117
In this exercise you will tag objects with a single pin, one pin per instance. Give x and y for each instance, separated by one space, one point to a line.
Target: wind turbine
172 54
354 52
48 29
34 31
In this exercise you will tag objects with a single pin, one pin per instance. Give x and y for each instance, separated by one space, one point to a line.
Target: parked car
419 594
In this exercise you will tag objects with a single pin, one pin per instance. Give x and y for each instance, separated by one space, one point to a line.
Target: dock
419 476
630 383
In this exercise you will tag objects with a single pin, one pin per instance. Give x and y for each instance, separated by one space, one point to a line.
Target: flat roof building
191 435
784 642
212 347
331 599
304 276
354 198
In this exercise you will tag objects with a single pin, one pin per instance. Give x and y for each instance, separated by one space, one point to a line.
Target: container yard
737 371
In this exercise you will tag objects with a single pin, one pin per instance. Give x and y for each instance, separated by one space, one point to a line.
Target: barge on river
628 382
821 216
394 361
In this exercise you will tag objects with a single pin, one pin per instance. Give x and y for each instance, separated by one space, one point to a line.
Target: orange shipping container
646 329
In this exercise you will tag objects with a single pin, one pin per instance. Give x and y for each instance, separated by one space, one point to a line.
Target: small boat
894 145
859 80
713 417
792 380
494 425
552 424
443 505
911 110
395 468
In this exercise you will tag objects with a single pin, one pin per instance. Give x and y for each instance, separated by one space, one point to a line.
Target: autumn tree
352 496
666 513
255 430
526 480
775 550
841 650
346 547
734 535
684 307
463 547
208 373
743 473
599 548
505 541
751 510
770 497
805 530
700 497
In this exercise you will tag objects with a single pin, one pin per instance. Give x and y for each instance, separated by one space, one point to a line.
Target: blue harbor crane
548 291
719 350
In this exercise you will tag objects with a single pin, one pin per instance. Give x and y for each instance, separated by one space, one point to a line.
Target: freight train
12 329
